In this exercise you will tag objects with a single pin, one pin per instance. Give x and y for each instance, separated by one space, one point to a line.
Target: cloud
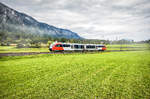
95 19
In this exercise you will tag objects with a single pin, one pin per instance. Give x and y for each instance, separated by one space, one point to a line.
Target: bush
37 45
20 45
3 44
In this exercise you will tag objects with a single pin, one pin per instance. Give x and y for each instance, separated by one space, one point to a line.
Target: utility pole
121 42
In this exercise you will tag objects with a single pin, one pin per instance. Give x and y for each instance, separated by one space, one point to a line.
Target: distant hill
14 21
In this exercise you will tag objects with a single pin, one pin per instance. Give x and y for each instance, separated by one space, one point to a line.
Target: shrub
20 45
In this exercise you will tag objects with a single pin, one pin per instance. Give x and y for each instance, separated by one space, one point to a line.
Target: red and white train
58 46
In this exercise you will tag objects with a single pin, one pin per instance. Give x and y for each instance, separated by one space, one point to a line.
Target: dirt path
23 53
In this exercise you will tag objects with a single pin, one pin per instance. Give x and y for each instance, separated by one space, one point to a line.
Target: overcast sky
93 19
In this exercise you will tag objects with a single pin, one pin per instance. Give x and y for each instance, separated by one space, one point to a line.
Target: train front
56 47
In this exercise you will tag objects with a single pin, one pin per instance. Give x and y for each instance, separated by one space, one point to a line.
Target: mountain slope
14 21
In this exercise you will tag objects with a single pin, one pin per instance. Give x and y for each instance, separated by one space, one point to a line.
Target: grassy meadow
108 75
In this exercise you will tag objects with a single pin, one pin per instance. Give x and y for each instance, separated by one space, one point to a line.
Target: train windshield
58 45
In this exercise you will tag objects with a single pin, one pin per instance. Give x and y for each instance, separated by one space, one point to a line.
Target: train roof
75 43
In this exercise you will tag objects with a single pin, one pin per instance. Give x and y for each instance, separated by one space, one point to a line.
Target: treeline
35 40
122 41
145 41
27 39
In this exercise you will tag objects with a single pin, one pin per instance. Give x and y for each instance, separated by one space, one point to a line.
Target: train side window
82 46
79 46
93 46
59 45
90 46
100 46
66 45
76 46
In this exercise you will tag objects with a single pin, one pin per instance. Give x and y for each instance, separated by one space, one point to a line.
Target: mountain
14 21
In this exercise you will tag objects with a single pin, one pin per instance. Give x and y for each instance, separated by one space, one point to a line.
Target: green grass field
114 75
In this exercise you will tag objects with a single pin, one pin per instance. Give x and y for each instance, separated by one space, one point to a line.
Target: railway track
35 53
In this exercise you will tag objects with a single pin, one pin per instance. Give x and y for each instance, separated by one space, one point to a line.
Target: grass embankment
121 75
128 47
13 49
